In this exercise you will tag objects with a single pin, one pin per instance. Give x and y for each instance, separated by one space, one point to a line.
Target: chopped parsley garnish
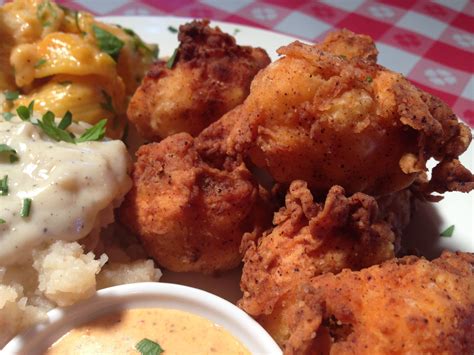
45 12
4 186
66 121
11 95
448 232
108 42
172 29
8 151
25 113
26 207
155 52
148 347
58 132
72 14
369 79
76 20
2 221
108 104
237 30
40 62
150 49
95 133
7 116
342 56
48 125
170 62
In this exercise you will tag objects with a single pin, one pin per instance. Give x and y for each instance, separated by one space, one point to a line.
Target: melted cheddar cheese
52 55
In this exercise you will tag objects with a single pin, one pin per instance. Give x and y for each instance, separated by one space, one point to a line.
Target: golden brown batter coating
189 215
335 120
211 75
310 239
349 45
404 306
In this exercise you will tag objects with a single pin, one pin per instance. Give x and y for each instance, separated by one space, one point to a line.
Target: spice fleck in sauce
177 332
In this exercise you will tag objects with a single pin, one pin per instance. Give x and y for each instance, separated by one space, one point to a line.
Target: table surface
434 38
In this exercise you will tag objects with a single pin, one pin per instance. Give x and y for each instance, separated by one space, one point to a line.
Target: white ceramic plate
36 340
429 219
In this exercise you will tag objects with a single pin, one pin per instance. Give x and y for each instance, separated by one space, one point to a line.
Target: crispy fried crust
329 120
451 175
310 239
189 215
349 45
211 75
396 209
407 305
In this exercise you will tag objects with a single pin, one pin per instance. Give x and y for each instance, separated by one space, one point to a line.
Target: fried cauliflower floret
310 239
189 215
404 306
331 120
396 209
211 75
349 45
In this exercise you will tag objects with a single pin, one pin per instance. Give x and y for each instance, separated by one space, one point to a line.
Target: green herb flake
152 49
170 62
31 107
149 347
149 49
66 121
128 31
57 132
4 186
23 113
2 221
76 20
40 63
236 31
9 152
73 14
448 232
26 207
155 51
108 42
49 127
7 116
172 29
46 12
11 95
342 56
95 133
369 79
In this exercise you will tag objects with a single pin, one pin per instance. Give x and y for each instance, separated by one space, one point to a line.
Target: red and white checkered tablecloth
434 38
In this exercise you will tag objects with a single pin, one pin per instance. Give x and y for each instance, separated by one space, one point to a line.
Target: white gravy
71 187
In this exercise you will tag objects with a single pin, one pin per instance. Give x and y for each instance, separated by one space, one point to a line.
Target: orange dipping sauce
177 332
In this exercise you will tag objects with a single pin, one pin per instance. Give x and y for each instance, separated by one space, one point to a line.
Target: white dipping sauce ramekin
145 295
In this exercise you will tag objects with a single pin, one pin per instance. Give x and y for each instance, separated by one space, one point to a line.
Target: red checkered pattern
431 42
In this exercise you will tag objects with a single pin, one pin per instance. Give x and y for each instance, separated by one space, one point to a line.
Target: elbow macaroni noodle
63 60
